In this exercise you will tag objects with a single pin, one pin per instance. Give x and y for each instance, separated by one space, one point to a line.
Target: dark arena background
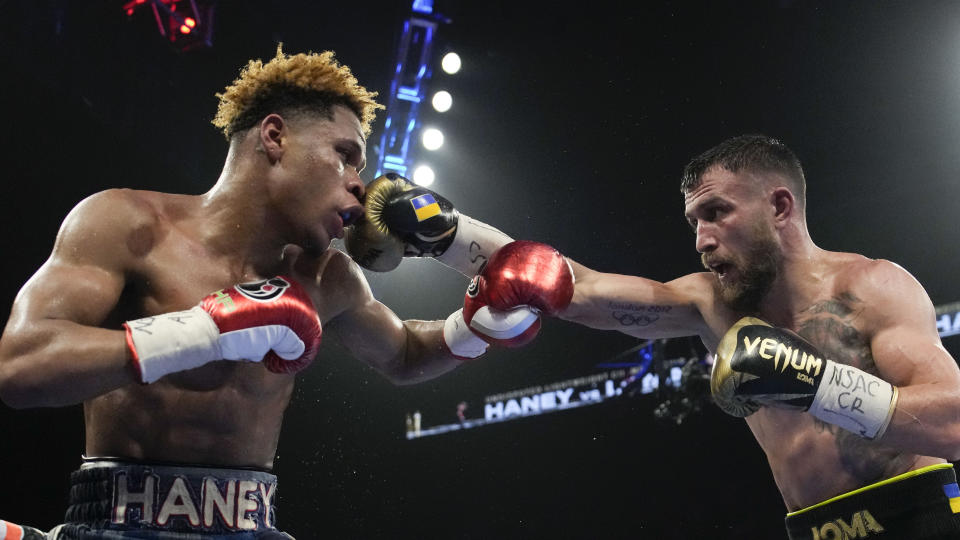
570 125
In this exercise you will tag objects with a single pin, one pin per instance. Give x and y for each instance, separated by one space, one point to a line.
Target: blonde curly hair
292 84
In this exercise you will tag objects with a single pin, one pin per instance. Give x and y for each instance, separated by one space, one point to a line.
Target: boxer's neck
800 277
237 217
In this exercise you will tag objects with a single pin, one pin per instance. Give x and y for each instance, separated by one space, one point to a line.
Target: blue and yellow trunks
918 505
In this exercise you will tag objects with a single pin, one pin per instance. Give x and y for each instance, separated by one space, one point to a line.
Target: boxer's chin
744 286
741 296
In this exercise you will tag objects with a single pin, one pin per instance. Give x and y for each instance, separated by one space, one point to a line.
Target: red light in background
187 24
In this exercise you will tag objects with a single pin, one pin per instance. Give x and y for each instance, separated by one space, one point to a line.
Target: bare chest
836 326
796 442
177 275
223 404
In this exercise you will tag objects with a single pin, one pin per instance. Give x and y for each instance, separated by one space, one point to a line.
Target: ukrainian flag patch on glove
425 206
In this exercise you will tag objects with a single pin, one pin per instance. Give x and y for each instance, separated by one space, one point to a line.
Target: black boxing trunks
118 499
919 505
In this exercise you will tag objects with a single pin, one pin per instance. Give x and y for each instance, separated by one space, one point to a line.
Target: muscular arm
52 352
637 306
405 352
907 351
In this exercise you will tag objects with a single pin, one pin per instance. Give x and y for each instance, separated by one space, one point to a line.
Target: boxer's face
735 236
319 188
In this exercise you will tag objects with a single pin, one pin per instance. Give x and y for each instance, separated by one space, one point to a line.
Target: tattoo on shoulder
628 314
841 305
830 325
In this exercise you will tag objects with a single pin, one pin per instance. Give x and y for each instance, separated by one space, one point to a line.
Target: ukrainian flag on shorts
425 206
953 493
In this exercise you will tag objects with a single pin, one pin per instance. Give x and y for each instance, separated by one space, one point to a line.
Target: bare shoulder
871 279
698 286
92 258
117 203
102 224
888 289
338 272
717 318
340 283
699 289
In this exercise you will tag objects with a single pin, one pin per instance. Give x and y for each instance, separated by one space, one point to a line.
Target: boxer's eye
351 154
713 213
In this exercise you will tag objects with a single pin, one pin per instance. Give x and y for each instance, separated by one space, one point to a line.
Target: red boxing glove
521 280
272 321
277 301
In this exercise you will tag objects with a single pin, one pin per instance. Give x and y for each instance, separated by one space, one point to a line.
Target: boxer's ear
272 131
784 205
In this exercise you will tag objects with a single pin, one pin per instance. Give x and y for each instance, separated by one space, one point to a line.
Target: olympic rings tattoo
629 319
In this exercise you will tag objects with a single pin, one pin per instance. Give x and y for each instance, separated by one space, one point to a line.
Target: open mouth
349 217
721 269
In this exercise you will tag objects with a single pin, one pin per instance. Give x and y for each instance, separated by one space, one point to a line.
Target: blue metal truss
408 89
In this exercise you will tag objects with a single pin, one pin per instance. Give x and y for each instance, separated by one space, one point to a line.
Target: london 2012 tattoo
628 314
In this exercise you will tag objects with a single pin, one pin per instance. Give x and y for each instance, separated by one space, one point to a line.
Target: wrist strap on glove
172 342
461 341
472 246
854 400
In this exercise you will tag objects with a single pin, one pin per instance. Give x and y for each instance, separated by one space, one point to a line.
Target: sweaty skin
866 313
287 189
810 459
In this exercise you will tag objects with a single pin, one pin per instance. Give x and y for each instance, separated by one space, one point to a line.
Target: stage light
423 176
451 63
442 101
187 24
432 138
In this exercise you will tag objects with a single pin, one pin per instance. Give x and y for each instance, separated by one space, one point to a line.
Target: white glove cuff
854 400
472 246
173 342
460 339
504 324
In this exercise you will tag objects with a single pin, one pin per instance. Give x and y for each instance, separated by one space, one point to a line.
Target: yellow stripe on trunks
425 206
951 491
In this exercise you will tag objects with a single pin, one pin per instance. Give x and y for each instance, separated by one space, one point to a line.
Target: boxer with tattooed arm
833 358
